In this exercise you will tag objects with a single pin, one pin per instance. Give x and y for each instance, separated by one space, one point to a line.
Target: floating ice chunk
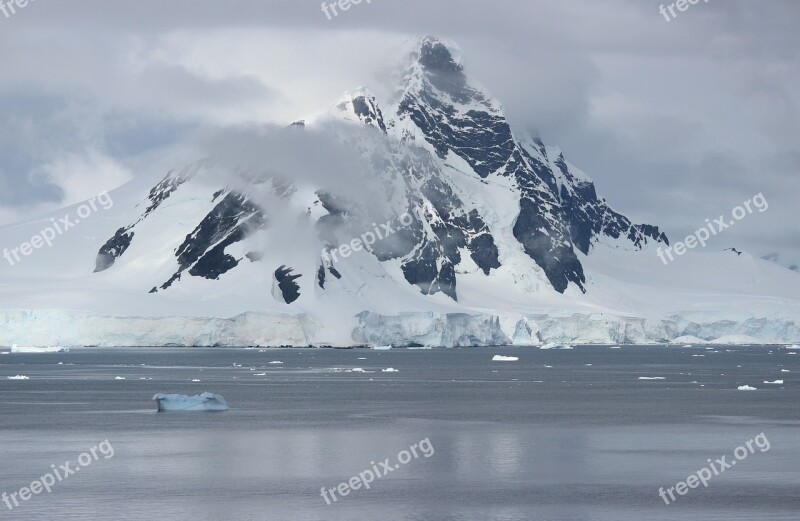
688 345
26 349
795 346
260 374
746 388
196 380
362 358
776 382
420 348
554 345
181 402
390 370
615 347
785 371
276 362
381 348
501 358
652 378
119 378
18 377
357 370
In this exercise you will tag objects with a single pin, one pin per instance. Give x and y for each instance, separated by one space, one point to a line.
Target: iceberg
501 358
181 402
390 370
746 388
18 377
776 382
27 349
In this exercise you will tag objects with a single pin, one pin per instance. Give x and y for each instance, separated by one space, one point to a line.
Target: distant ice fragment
181 402
501 358
390 370
776 382
652 378
27 349
18 377
746 388
381 348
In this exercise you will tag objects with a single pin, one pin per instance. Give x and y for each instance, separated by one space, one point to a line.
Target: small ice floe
260 374
276 362
652 378
27 349
180 402
746 388
555 345
390 370
501 358
776 382
60 363
785 371
119 378
381 348
363 358
588 365
615 347
196 380
237 365
357 370
548 366
18 377
420 348
795 346
699 356
688 345
792 353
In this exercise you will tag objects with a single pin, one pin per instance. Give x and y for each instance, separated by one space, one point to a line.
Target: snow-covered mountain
423 219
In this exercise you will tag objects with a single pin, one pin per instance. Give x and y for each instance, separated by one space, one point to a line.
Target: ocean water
558 435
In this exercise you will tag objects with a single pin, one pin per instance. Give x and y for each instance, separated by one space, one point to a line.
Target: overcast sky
676 121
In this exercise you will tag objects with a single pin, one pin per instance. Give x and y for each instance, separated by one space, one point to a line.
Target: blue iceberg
181 402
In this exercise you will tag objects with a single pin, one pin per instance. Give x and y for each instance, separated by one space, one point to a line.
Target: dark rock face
286 282
203 250
116 245
557 213
113 249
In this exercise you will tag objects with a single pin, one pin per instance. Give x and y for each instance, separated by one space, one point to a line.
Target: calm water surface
558 435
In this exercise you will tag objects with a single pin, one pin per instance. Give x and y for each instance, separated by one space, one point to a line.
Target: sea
594 433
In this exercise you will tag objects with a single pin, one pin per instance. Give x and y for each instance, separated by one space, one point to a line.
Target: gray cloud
676 121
